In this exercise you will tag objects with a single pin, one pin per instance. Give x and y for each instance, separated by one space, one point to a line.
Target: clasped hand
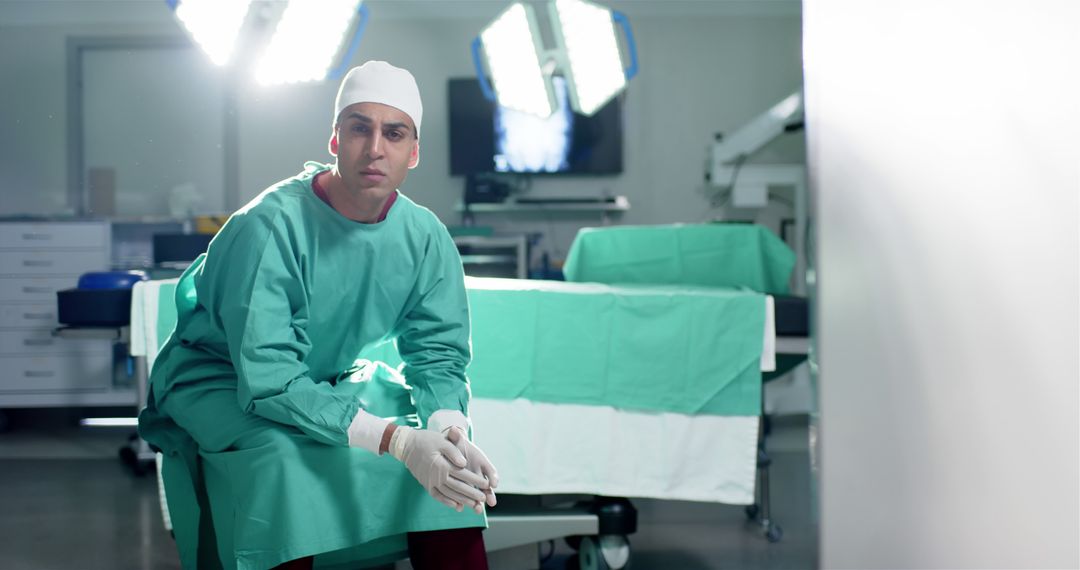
453 470
477 465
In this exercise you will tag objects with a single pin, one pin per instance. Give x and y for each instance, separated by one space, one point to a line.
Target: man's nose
374 148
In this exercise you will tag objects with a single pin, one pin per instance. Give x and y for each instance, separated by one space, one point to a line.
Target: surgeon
281 447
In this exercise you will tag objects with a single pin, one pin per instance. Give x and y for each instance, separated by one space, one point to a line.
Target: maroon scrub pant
454 549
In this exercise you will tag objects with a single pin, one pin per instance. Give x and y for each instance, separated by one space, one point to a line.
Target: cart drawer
35 289
28 316
41 341
52 262
55 373
54 235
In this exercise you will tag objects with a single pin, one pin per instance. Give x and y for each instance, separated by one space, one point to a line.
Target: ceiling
73 12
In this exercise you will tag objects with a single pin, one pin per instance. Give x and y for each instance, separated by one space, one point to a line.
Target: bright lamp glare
214 24
588 36
305 41
109 422
510 46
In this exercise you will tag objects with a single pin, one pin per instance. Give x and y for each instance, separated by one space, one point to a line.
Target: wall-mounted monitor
486 138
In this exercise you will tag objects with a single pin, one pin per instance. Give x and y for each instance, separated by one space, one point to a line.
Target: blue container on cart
102 299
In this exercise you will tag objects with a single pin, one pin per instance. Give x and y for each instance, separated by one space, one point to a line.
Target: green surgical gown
251 396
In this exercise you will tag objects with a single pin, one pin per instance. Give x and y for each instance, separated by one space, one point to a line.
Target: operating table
588 389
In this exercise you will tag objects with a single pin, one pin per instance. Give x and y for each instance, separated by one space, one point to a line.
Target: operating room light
586 53
510 46
305 41
587 36
214 24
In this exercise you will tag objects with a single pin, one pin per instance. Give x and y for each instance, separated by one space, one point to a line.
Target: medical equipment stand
727 167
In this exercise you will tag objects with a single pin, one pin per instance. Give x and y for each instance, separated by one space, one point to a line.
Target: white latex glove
439 467
366 431
476 463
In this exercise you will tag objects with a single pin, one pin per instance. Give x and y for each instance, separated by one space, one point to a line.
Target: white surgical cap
380 82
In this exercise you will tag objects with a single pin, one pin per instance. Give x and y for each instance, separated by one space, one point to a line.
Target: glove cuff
366 431
442 420
398 441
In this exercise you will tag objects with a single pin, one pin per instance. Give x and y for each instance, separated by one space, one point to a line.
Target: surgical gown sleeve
253 283
433 338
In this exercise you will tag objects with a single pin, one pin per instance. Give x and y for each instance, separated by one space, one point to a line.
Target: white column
944 160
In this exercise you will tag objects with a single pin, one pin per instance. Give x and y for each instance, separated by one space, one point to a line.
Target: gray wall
34 90
943 159
705 67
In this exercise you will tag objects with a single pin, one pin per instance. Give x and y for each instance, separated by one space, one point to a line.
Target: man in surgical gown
281 448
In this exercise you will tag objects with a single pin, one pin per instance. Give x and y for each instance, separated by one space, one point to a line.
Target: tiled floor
66 502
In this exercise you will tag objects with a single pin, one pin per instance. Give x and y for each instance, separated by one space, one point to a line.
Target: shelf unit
484 256
617 204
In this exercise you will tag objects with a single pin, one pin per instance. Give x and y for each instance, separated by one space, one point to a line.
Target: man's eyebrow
358 116
367 119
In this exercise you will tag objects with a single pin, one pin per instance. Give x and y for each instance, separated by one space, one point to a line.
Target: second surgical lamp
586 52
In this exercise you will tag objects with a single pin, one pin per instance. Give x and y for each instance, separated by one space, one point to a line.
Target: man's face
375 146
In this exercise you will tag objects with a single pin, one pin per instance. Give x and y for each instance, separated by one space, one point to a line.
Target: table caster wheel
131 460
774 533
608 552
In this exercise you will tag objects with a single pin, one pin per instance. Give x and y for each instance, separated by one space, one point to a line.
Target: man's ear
333 146
414 156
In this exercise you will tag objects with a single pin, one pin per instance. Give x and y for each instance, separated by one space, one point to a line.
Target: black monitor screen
487 138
